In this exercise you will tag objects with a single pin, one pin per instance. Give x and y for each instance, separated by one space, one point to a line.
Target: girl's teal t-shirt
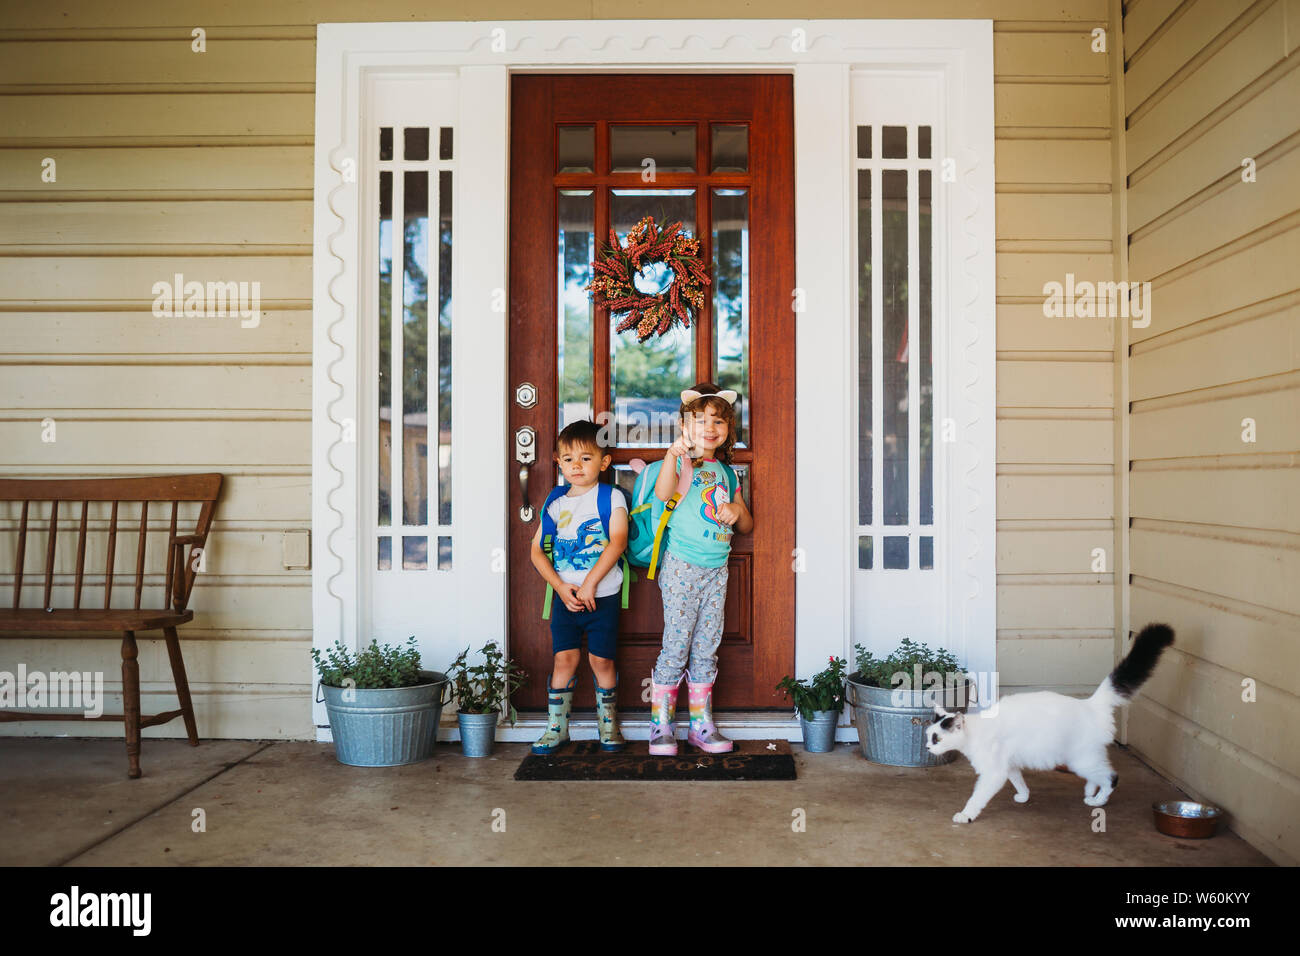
694 534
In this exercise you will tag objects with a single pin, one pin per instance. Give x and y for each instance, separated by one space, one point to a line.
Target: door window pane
864 552
731 300
444 142
925 358
895 345
895 553
866 365
416 140
385 351
444 346
576 149
864 142
577 214
646 379
893 142
415 553
671 147
415 350
730 147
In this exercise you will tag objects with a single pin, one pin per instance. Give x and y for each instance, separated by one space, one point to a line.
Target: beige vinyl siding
172 161
1215 536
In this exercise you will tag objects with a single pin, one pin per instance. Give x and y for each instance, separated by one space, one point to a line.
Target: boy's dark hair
584 434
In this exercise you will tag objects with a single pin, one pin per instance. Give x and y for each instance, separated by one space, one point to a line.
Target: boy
587 581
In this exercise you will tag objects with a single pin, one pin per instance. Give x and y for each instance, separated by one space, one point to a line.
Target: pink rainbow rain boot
704 734
663 713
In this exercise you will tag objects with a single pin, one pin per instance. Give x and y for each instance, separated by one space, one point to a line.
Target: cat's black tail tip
1132 672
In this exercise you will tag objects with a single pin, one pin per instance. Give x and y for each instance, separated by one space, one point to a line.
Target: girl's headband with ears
689 395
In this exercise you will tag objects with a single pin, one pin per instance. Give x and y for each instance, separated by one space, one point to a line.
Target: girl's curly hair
708 401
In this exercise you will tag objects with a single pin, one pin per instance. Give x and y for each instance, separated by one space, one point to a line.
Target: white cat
1043 730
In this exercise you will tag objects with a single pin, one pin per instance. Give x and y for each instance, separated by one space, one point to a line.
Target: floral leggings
694 601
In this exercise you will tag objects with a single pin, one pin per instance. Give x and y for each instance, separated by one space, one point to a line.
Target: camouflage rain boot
558 705
607 717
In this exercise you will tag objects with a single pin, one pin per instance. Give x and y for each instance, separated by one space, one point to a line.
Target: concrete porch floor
69 801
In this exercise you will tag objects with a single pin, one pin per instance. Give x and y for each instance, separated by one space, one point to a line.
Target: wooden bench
178 570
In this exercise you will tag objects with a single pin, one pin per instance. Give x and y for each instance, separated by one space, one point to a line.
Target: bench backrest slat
180 568
49 551
22 553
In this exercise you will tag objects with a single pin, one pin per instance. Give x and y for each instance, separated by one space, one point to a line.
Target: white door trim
821 55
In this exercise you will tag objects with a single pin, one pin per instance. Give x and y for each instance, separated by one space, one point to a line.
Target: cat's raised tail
1132 672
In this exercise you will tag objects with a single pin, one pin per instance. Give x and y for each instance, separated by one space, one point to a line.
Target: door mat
584 760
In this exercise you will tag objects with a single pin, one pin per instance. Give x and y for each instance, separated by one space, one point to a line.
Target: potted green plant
894 697
481 692
819 704
383 709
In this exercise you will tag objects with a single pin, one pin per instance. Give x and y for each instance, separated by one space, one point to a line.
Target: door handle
525 454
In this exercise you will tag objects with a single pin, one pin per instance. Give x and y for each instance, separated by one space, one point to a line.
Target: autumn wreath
656 279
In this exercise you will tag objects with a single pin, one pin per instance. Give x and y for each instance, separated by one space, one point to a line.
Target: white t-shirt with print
580 540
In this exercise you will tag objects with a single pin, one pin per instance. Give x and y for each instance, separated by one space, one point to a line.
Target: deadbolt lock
526 395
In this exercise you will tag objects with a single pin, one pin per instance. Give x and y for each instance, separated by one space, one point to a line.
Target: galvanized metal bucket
477 733
819 733
386 726
895 735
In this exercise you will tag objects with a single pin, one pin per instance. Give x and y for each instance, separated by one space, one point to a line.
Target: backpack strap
548 541
669 506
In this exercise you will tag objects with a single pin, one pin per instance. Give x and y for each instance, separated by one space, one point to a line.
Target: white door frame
822 55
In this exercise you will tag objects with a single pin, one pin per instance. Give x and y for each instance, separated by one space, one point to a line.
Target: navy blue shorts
600 625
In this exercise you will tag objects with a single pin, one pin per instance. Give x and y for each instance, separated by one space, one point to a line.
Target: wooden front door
591 152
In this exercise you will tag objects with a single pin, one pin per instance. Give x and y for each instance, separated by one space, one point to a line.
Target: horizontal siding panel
1056 496
1267 345
179 224
1054 54
227 552
1242 639
1210 697
172 61
274 606
1053 105
47 389
1214 427
1247 497
1053 551
1261 798
1184 39
1051 441
1059 661
170 116
1053 216
1248 55
1025 328
1085 604
131 278
1072 161
1208 561
1143 20
238 13
1251 274
1229 214
207 662
1267 119
283 499
158 169
142 334
221 712
1025 273
190 445
1055 385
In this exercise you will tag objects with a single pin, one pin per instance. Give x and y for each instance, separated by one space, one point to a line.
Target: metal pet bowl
1185 818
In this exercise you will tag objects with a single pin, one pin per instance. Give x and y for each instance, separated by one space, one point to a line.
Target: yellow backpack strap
669 505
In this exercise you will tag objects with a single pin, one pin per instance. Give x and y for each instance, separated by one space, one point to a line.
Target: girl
693 575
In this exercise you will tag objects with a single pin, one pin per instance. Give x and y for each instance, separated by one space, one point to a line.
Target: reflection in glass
865 344
576 149
671 147
415 553
894 358
864 552
925 358
444 552
896 553
444 346
731 299
577 214
730 147
893 142
926 562
646 379
385 305
415 349
385 553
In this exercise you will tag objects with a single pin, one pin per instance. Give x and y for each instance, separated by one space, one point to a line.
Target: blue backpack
648 517
604 506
